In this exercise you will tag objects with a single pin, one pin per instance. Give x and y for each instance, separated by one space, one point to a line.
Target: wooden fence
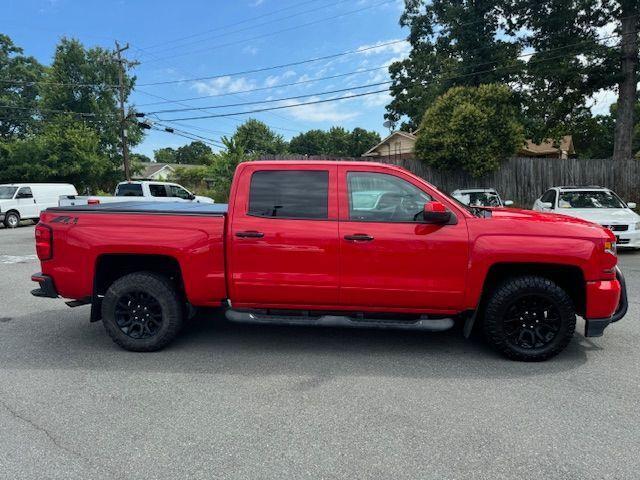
525 179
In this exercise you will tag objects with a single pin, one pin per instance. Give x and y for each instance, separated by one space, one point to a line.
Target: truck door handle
359 237
250 234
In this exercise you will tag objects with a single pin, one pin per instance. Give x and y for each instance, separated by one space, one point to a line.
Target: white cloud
400 49
256 3
320 112
220 85
251 50
272 80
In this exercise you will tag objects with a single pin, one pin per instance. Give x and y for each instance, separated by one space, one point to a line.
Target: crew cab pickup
137 190
354 244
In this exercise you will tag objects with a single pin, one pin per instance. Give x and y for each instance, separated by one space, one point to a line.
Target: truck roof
303 161
159 208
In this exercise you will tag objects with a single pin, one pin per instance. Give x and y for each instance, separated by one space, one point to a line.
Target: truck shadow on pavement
208 345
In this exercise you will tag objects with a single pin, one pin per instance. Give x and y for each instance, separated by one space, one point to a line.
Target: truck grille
617 228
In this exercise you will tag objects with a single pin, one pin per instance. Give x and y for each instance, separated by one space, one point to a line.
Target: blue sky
180 40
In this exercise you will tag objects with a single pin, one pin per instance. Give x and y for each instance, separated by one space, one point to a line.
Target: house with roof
401 145
398 145
161 171
549 148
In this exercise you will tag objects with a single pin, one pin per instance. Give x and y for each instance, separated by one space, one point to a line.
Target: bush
473 128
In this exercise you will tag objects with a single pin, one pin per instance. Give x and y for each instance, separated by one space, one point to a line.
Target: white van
24 201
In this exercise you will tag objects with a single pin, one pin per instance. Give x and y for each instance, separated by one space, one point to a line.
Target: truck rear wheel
529 318
142 312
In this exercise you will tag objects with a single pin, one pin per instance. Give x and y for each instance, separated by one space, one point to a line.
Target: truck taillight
93 201
44 242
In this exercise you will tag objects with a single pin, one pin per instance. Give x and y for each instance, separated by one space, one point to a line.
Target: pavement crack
39 428
51 437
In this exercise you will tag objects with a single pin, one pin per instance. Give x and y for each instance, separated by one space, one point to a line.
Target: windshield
589 199
479 199
7 193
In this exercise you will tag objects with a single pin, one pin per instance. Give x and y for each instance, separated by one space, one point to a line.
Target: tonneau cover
177 208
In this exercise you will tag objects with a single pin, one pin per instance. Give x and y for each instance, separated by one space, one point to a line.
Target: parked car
480 197
25 201
595 204
292 247
138 191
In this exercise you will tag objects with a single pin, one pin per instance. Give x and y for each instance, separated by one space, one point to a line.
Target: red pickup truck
334 243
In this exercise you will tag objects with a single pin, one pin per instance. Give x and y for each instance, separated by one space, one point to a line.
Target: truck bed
176 208
90 238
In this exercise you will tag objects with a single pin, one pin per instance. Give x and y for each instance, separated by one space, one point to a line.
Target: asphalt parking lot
229 401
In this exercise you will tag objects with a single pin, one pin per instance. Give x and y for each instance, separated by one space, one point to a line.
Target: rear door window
157 190
129 190
302 194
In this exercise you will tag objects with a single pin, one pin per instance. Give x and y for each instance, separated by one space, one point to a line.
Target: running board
423 323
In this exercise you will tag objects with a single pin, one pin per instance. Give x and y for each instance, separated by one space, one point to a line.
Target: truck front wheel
142 312
529 318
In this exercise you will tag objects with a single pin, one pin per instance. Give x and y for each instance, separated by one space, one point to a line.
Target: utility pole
122 64
627 87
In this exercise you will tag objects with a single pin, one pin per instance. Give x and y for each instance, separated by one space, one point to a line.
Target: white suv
597 205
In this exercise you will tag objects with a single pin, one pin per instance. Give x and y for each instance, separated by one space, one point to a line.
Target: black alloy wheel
138 315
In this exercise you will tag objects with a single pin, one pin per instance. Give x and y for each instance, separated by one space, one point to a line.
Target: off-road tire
504 296
10 223
156 286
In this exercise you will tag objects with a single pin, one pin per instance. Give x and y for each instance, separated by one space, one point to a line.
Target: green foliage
569 63
84 81
194 153
165 155
453 44
67 150
18 114
139 157
256 138
337 141
193 178
224 166
473 128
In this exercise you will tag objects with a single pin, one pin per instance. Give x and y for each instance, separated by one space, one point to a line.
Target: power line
250 19
346 97
230 119
274 67
252 27
272 87
273 100
244 40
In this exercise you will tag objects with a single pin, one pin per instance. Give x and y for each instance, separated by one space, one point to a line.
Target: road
228 401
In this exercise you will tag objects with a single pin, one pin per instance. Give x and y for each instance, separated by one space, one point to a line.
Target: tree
165 155
312 142
362 140
84 81
337 141
139 157
472 128
568 65
628 11
256 138
18 92
452 44
224 166
66 150
194 153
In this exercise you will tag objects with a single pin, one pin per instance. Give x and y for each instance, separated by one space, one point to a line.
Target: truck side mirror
436 212
631 205
508 203
546 204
